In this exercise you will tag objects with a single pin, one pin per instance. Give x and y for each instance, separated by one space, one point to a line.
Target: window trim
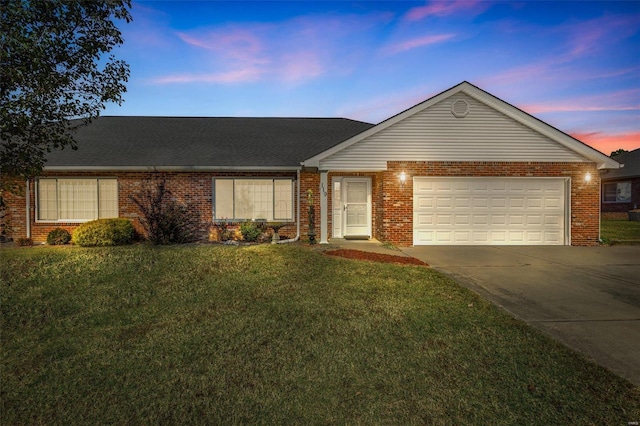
57 178
273 197
604 193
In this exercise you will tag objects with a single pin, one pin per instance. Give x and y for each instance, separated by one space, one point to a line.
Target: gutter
171 168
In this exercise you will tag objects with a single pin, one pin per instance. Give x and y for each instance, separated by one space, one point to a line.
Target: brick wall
309 181
193 189
16 212
397 211
392 202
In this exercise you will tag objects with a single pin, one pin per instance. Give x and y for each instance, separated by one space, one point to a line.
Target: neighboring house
621 187
462 167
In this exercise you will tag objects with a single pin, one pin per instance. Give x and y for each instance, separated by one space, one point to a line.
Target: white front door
356 195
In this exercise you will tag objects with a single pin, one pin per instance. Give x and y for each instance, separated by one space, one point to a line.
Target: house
462 167
621 187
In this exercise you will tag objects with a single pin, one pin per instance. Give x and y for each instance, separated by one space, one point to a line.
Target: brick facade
392 203
397 211
309 181
192 189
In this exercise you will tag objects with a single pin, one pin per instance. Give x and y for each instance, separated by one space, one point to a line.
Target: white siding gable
435 134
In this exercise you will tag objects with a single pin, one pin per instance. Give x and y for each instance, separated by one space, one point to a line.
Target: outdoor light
403 178
587 177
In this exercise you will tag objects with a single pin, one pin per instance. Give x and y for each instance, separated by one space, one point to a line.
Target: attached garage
490 211
465 168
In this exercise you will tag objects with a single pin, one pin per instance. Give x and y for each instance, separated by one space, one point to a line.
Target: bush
58 236
103 232
22 242
164 220
250 231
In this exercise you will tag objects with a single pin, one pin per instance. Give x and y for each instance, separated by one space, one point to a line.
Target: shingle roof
203 141
631 161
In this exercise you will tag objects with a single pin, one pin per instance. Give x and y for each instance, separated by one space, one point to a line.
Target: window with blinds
253 199
77 199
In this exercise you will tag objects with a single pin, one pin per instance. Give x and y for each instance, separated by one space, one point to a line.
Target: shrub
103 232
58 236
225 231
250 231
22 242
164 220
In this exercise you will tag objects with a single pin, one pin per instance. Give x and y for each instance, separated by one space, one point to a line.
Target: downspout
28 209
600 211
297 237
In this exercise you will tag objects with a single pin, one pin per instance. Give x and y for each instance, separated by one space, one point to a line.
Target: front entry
352 207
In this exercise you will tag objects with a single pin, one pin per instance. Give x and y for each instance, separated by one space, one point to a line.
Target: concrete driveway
585 297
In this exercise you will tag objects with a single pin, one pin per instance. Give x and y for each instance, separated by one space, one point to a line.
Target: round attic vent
460 108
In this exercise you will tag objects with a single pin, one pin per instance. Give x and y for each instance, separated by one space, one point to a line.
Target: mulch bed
375 257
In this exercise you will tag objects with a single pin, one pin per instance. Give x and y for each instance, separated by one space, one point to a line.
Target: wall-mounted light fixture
403 178
587 177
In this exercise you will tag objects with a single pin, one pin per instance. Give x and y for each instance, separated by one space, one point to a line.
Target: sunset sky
573 64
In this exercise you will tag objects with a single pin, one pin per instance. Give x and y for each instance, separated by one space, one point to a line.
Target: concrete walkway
588 298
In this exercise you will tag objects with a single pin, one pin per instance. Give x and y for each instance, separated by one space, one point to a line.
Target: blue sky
573 64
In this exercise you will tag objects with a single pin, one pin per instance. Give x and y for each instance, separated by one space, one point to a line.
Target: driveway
585 297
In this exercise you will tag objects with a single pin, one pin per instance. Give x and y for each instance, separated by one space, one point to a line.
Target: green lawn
274 335
619 231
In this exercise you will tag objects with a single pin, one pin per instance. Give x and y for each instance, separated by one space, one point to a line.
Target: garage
490 211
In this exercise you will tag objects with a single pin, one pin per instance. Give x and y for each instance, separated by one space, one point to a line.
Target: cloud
417 42
301 66
149 29
244 45
569 52
626 100
235 76
292 52
586 38
379 108
446 8
609 142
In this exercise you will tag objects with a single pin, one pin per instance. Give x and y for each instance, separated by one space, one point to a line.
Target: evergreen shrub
104 232
58 236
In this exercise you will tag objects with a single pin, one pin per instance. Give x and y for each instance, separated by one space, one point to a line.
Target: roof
201 143
590 154
631 161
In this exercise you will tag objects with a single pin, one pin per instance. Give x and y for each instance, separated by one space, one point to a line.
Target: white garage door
489 211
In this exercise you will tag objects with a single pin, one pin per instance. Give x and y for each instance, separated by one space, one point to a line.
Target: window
617 192
76 200
253 199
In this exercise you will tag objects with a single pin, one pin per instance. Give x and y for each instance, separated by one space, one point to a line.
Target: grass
275 335
619 231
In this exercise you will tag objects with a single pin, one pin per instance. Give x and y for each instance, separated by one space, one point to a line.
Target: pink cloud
418 42
292 51
626 100
374 110
235 76
445 8
607 143
239 44
301 66
591 36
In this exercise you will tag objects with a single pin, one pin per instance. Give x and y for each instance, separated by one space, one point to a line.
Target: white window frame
59 219
273 202
617 185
